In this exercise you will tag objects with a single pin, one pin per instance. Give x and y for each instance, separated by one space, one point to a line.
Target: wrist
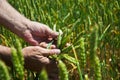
12 19
17 26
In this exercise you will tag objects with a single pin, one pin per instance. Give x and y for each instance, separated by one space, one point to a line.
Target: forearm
5 55
12 19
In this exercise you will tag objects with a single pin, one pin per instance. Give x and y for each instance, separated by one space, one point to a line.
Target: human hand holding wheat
36 58
37 33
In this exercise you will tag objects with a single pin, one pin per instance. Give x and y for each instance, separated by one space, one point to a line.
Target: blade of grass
78 65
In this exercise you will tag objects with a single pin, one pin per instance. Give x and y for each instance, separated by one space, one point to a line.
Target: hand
32 32
36 58
37 33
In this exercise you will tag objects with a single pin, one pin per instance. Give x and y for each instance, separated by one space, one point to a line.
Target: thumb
31 41
29 38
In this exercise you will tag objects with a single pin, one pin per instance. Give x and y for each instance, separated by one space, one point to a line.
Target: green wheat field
91 27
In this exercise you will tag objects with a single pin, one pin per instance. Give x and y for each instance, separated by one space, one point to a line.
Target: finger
48 52
52 47
45 45
44 60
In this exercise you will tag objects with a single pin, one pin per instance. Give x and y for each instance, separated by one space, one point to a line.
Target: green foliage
91 27
4 74
63 71
18 61
43 75
95 62
82 53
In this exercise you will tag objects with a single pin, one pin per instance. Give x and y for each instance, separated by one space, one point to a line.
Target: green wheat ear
95 62
62 70
18 61
4 74
17 65
82 53
43 75
59 38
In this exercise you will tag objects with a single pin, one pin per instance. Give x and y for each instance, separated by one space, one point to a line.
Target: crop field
91 28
